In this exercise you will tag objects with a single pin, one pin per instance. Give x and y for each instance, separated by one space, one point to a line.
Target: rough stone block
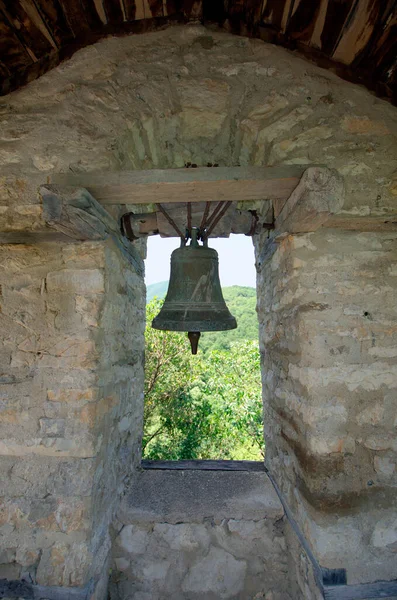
218 573
79 281
64 565
133 539
52 427
184 537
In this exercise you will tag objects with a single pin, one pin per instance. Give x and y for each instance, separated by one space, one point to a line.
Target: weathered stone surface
327 328
82 281
214 543
133 539
218 573
184 537
222 494
385 533
204 107
67 433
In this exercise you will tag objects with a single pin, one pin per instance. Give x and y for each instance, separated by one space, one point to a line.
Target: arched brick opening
72 417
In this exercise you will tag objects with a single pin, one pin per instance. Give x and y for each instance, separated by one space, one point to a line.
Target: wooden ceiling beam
204 184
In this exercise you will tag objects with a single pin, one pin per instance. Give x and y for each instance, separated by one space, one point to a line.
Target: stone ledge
191 496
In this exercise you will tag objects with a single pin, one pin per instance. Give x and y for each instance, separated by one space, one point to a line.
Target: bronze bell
194 300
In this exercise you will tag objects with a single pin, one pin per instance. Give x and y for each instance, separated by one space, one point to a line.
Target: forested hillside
206 406
156 290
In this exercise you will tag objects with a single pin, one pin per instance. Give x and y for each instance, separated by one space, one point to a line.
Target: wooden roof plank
54 18
12 52
302 20
253 11
4 71
357 30
139 9
273 13
236 8
130 9
114 11
383 39
96 13
28 25
156 8
335 18
192 9
75 16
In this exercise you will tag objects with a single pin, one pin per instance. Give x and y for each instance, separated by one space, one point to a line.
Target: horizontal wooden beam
236 220
204 184
204 465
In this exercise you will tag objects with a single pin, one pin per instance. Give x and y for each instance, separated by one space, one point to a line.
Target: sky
236 259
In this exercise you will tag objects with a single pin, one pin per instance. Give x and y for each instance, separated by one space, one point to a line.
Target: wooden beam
234 221
204 465
204 184
78 216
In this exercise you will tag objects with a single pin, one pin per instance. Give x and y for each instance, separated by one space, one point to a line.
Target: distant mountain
156 289
241 302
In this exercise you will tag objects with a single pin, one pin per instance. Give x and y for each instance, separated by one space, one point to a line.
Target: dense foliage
209 405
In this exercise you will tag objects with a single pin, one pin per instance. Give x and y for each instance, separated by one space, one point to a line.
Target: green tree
167 373
204 406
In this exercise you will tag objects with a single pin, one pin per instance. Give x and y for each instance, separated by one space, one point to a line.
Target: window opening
208 406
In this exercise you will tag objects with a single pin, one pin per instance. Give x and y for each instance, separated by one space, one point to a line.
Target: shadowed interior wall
71 406
160 100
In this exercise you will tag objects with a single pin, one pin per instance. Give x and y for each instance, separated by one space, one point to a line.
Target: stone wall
200 534
71 381
327 310
189 94
71 372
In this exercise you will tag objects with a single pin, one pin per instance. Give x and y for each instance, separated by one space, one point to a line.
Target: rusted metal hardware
171 222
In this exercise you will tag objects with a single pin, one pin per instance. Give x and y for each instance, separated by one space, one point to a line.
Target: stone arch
188 94
167 98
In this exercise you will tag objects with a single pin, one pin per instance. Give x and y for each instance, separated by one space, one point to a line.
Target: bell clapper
194 337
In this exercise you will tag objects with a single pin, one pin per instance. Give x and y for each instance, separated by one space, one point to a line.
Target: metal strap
218 217
126 227
171 221
205 216
189 218
213 215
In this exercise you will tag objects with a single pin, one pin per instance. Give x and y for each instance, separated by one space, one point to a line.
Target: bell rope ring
194 300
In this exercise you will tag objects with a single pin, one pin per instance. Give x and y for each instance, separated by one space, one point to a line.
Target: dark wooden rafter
357 39
114 11
53 16
28 26
13 53
76 16
98 13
